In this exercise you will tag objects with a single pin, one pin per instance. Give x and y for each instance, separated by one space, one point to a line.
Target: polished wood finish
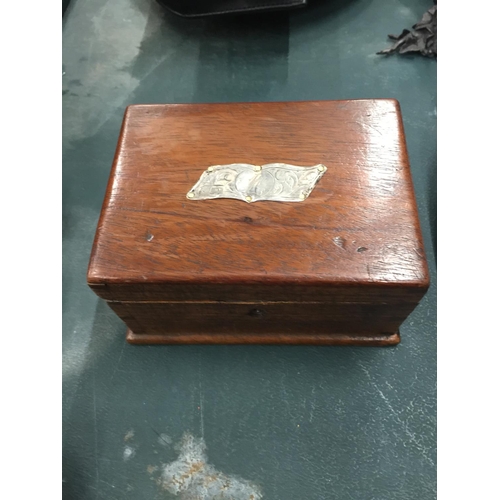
378 340
347 260
261 317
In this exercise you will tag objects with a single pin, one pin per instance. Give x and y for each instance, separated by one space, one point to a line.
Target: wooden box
344 266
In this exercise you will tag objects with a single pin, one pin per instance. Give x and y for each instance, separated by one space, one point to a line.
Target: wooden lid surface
358 226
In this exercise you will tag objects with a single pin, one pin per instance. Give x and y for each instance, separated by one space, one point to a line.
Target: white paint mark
128 453
406 12
152 469
191 477
129 435
164 439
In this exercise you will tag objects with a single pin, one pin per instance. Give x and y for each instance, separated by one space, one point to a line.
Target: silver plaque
271 182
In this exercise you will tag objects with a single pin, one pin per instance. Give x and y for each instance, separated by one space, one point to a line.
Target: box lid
357 233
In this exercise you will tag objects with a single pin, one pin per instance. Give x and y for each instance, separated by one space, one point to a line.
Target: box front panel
259 317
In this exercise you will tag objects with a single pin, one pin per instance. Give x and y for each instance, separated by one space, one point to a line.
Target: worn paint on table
190 476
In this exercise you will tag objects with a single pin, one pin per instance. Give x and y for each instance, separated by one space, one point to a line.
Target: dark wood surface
263 317
355 243
383 293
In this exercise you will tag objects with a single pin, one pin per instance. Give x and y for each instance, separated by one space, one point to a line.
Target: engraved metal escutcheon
250 183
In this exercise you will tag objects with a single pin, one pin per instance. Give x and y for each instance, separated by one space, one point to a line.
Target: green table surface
235 421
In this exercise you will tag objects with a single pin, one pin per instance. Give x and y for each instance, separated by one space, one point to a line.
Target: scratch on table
284 393
410 434
164 439
313 404
202 424
118 362
200 389
109 484
95 438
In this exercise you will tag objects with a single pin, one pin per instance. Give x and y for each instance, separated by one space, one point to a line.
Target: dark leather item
199 8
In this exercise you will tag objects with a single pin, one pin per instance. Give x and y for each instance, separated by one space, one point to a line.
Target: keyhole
256 313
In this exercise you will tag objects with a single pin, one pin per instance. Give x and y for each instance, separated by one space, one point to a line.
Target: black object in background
65 4
199 8
421 39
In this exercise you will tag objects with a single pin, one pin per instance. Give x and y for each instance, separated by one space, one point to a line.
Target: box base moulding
378 340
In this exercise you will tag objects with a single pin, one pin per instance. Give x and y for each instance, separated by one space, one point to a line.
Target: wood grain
262 317
379 340
382 293
356 239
